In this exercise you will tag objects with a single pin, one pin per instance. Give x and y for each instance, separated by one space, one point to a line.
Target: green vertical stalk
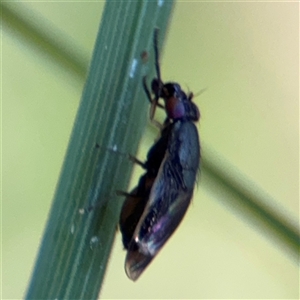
112 115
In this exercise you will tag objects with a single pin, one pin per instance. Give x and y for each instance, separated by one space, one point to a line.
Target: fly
154 209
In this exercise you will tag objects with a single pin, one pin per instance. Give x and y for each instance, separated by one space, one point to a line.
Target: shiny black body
154 209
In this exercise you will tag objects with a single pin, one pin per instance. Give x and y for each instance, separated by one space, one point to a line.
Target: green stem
112 115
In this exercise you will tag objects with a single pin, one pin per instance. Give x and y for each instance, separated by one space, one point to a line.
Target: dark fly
154 209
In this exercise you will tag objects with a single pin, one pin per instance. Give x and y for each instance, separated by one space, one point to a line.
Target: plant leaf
110 121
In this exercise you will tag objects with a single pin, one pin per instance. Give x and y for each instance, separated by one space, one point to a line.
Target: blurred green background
247 56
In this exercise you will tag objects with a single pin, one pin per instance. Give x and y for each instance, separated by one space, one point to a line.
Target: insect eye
155 85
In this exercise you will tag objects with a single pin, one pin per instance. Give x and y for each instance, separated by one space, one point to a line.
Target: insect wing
135 202
169 198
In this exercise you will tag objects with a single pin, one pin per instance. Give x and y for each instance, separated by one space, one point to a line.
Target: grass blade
112 115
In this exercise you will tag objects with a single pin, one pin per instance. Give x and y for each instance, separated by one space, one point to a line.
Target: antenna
157 68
